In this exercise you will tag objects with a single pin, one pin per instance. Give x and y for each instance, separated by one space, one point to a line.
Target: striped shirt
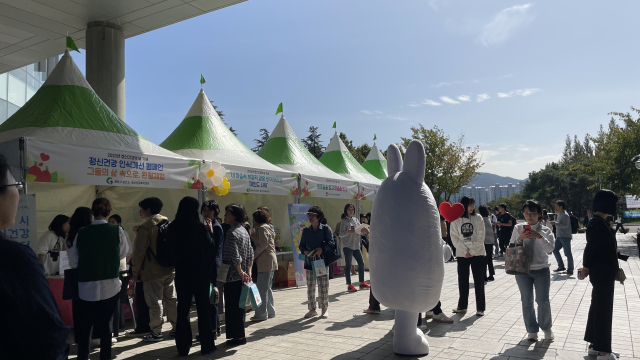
237 251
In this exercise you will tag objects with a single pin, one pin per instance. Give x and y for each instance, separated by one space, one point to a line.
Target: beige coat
265 254
147 238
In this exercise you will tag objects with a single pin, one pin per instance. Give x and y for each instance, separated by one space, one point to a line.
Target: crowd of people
199 258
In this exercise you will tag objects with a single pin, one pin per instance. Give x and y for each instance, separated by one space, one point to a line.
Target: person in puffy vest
98 249
158 280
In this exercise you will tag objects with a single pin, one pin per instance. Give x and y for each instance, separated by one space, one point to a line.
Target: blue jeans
540 280
349 254
564 242
267 309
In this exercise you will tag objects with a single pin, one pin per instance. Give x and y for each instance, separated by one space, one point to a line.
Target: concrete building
33 31
483 195
19 85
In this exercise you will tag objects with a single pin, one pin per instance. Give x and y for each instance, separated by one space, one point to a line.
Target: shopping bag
319 268
250 295
223 271
517 260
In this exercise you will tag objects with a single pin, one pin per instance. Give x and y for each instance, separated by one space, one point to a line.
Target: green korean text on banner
279 109
71 44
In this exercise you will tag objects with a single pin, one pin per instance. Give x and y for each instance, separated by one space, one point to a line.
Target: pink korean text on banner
56 163
313 186
256 181
24 230
298 220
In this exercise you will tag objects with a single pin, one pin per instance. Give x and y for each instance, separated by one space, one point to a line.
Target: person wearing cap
313 237
601 265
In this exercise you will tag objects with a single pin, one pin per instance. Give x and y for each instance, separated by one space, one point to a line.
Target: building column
105 64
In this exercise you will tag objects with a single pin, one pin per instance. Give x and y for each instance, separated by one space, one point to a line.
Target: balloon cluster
212 176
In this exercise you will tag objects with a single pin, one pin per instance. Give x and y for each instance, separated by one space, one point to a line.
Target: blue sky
514 77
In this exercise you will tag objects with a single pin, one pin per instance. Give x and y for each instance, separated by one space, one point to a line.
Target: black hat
605 202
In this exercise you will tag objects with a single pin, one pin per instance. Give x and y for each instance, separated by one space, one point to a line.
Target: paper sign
25 229
633 202
64 262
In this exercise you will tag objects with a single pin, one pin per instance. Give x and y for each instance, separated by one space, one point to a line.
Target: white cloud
505 95
449 100
366 112
378 112
445 83
482 97
510 75
464 98
505 24
399 118
519 92
430 103
413 104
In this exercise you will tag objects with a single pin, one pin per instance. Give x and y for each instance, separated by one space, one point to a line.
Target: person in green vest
98 249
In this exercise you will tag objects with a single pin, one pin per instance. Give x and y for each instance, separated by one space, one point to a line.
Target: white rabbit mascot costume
406 254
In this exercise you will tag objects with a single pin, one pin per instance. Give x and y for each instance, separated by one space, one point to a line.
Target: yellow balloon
225 191
224 179
226 185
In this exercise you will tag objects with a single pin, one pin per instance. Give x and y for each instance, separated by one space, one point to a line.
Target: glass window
17 91
19 74
32 83
30 69
30 93
3 86
3 111
12 110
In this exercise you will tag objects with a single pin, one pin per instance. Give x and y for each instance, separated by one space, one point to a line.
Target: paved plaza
350 334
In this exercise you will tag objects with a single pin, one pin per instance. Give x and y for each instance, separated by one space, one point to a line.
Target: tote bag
319 268
250 294
517 260
330 250
223 271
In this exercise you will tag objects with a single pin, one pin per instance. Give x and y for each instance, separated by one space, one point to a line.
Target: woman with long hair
267 263
238 254
193 250
351 242
467 234
51 243
210 211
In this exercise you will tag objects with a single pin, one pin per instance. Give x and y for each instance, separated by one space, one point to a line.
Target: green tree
450 164
313 142
221 114
514 204
359 153
264 136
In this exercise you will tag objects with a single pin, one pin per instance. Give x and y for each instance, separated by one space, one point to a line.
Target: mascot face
406 264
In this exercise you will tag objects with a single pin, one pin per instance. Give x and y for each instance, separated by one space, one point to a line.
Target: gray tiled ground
350 334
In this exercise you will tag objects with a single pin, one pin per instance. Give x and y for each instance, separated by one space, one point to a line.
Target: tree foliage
450 164
221 114
313 142
514 204
359 153
264 136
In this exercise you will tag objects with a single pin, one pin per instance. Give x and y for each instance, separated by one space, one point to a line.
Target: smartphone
526 228
353 228
579 274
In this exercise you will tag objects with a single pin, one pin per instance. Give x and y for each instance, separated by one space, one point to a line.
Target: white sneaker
325 313
480 313
459 311
96 342
442 318
609 356
597 353
532 336
310 314
548 335
428 315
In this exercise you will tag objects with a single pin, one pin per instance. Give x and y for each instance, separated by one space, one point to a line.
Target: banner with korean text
298 220
56 163
257 181
313 186
367 191
24 230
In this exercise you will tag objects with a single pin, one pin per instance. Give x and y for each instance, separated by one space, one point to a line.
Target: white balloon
216 180
202 176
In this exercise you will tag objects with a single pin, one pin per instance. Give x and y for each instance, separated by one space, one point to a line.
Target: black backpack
164 249
575 224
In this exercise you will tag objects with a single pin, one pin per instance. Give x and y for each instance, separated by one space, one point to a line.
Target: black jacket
193 248
601 252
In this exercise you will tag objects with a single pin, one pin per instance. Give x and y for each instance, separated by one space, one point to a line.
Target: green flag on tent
202 80
71 45
279 109
334 125
375 137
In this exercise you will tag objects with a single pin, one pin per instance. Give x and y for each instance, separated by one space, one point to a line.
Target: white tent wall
124 202
54 199
277 204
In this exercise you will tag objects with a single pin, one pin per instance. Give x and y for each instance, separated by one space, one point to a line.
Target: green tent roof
375 163
339 159
285 150
203 135
67 110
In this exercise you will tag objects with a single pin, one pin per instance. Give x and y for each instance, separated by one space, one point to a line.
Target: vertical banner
25 229
297 222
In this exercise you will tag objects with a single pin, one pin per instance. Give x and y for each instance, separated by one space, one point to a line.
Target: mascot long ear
415 161
394 160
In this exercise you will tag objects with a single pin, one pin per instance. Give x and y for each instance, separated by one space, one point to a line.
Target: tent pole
299 189
358 204
23 162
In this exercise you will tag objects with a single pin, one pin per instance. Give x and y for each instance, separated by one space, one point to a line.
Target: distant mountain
487 179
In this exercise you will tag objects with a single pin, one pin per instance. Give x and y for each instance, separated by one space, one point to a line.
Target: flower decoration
223 189
212 175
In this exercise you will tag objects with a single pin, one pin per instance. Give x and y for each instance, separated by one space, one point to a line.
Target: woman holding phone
541 241
352 244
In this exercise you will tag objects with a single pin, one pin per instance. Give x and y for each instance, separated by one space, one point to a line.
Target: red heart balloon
450 212
44 156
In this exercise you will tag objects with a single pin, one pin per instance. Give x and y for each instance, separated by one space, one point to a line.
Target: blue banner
631 214
297 222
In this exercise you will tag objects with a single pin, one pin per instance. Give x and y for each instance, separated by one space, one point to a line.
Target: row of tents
70 147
